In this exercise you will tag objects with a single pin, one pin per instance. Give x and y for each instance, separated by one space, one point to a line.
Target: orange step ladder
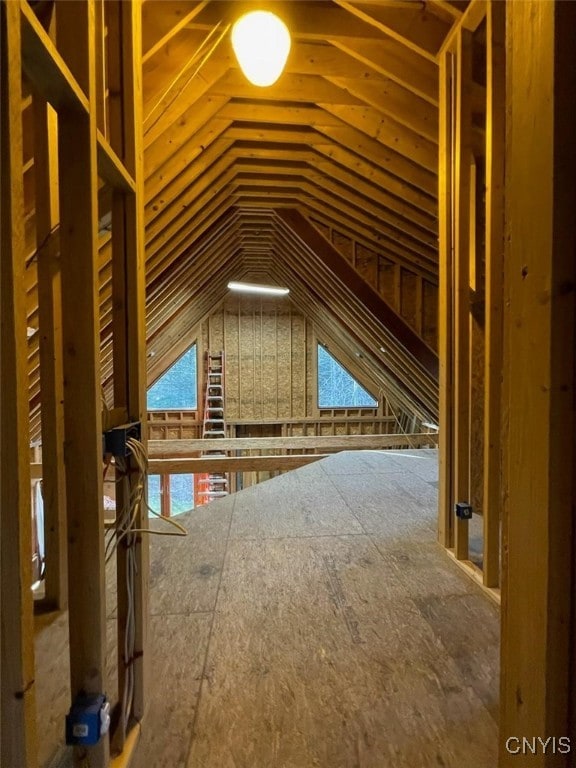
213 485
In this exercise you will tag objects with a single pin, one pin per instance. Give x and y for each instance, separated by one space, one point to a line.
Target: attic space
287 384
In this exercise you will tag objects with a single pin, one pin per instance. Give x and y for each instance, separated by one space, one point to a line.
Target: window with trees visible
337 388
176 389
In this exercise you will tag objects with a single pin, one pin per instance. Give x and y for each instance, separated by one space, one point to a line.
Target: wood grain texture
184 578
310 621
17 693
53 684
318 642
172 448
538 685
78 180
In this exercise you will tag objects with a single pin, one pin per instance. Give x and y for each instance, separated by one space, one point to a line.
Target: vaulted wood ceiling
346 140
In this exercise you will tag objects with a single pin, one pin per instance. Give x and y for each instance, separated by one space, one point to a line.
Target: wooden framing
538 685
51 358
461 287
78 172
471 337
17 698
428 37
165 448
233 194
63 73
167 467
494 361
445 301
124 51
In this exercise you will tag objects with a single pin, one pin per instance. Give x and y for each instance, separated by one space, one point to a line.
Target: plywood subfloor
313 622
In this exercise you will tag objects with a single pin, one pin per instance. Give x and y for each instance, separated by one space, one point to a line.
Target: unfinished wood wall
82 158
414 296
472 112
272 379
270 353
538 685
264 343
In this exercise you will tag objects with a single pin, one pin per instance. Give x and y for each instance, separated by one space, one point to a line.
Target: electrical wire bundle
125 529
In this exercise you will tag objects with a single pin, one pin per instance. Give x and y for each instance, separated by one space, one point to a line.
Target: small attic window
105 224
337 388
176 389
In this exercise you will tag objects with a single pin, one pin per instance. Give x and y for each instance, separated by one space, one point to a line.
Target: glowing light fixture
261 42
271 290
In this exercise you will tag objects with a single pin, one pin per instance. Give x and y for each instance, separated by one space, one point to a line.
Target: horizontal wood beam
111 168
320 420
469 20
231 464
164 448
45 66
173 456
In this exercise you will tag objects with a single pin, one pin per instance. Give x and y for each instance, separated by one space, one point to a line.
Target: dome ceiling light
261 42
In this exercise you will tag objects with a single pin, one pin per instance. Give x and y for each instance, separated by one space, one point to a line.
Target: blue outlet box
87 720
116 440
463 510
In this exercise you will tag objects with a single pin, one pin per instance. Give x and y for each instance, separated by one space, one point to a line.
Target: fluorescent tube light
271 290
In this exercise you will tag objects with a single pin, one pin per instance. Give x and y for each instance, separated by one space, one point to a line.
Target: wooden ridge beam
393 244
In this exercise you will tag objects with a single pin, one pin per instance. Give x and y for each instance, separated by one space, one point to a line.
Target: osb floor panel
313 622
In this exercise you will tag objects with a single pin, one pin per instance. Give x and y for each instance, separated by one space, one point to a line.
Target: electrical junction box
116 440
463 510
88 720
